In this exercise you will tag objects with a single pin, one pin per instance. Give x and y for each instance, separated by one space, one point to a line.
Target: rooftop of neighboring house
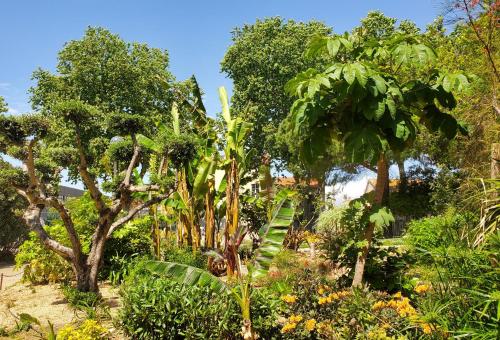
65 191
393 184
290 181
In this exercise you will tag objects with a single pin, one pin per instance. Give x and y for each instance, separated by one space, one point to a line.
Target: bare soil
47 303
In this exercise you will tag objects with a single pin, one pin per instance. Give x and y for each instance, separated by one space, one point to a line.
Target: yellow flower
422 289
322 300
397 295
288 327
321 291
310 324
295 318
378 305
334 296
289 298
427 328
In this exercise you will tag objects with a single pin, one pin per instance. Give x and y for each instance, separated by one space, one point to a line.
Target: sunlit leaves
364 144
381 217
453 81
406 53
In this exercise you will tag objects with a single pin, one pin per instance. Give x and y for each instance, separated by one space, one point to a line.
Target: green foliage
13 230
341 231
186 275
273 234
130 241
80 300
40 265
184 255
431 233
259 97
361 99
464 278
157 307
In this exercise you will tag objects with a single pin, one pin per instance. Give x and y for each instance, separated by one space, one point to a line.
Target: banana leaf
272 236
187 275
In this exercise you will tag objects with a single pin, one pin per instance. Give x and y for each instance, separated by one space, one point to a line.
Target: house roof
69 191
290 181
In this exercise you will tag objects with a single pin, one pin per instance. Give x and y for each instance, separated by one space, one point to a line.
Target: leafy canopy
360 98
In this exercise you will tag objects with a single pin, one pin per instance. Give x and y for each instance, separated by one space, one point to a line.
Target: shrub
88 330
155 307
184 255
41 265
88 302
318 311
433 232
341 230
464 299
130 241
79 299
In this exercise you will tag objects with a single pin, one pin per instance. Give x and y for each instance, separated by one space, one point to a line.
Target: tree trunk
232 206
381 196
209 217
86 275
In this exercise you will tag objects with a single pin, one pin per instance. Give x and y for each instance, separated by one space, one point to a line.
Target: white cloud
12 111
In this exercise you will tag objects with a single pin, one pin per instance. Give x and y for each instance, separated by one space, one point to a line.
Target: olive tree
86 121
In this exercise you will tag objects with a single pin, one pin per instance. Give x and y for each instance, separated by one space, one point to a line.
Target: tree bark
232 206
380 198
209 217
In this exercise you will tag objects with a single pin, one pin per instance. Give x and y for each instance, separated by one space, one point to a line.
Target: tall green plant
361 99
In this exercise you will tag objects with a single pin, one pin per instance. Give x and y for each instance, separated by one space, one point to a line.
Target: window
255 188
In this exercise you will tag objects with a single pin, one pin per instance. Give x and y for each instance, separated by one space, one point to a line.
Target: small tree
106 92
361 99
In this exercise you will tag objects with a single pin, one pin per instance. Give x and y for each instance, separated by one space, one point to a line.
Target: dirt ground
46 303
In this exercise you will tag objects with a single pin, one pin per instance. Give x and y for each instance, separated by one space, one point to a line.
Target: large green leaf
225 104
175 119
381 217
187 275
148 143
206 169
364 144
273 234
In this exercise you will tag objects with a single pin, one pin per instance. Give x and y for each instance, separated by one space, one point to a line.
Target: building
64 194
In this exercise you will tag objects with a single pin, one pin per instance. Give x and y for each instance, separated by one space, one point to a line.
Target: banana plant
235 158
272 237
191 276
281 211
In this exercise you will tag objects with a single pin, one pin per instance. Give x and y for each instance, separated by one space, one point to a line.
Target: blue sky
195 33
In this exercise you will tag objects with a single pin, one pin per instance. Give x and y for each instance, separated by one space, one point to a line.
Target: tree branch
32 218
88 180
133 161
144 188
68 224
135 210
29 164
